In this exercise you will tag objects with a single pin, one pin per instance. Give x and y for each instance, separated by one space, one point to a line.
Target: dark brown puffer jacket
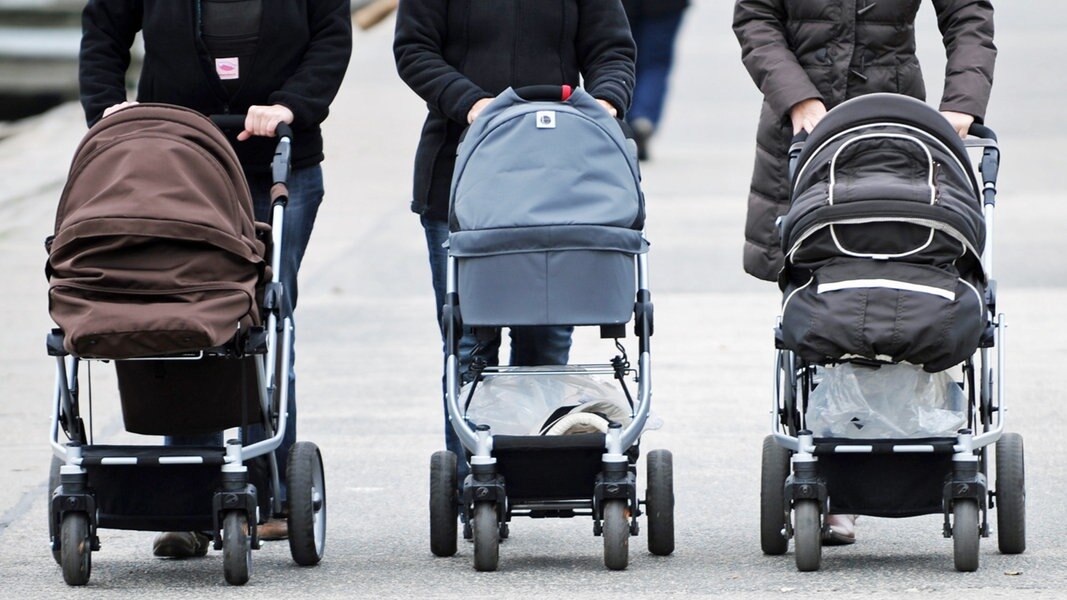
835 50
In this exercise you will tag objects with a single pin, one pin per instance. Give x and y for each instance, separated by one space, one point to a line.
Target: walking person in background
278 61
457 55
808 56
655 25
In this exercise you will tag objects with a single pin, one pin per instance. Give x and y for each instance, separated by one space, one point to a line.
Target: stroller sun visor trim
517 240
968 245
885 284
874 136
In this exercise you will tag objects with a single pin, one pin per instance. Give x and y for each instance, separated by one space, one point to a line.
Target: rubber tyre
236 548
486 530
807 535
76 556
306 481
444 505
659 502
965 534
773 473
1011 494
53 483
616 535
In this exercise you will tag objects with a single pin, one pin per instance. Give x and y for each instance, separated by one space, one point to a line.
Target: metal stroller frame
792 482
73 512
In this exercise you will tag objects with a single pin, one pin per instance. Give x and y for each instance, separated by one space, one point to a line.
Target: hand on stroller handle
236 122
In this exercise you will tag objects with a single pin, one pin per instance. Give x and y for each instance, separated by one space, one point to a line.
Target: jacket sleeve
108 29
309 91
418 48
967 29
760 29
606 52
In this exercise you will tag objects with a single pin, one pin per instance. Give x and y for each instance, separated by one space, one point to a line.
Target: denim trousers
530 345
305 197
654 37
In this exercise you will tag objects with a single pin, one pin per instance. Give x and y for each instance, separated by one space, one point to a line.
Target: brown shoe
180 544
274 530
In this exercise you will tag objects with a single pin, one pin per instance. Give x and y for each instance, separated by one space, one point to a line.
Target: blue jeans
305 196
530 346
654 37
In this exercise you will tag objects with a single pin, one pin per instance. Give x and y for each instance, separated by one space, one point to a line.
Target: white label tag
228 68
546 119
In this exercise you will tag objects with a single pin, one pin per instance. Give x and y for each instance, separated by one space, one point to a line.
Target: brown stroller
158 265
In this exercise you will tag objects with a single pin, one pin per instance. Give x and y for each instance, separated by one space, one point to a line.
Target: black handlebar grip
981 131
550 93
237 123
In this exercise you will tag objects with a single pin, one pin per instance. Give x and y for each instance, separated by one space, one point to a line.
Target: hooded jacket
834 50
300 61
453 53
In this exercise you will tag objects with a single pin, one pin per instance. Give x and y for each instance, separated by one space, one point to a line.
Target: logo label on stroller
546 119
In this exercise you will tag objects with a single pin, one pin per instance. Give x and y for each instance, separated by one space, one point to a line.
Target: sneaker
274 530
180 544
840 530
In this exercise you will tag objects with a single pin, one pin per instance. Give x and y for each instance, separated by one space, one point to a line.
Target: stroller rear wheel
76 548
807 536
616 535
1011 494
775 469
307 504
965 534
659 502
53 483
444 508
486 537
236 547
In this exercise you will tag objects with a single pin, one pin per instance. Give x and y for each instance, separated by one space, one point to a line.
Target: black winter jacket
453 53
835 50
300 62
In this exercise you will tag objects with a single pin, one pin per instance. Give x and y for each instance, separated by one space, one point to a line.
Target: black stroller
546 218
888 273
158 265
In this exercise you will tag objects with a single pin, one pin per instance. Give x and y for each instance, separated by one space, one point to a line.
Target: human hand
262 120
961 122
806 114
116 107
608 107
477 109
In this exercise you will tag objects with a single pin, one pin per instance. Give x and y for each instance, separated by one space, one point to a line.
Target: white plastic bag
523 404
891 401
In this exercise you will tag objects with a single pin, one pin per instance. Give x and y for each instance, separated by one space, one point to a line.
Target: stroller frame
793 482
73 509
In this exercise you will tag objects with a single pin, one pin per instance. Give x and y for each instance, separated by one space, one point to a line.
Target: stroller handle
237 122
550 93
981 131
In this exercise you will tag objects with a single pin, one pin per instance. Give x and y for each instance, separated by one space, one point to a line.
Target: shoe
840 530
180 544
643 130
274 530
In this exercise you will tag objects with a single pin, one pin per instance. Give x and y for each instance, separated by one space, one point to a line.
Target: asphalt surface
369 359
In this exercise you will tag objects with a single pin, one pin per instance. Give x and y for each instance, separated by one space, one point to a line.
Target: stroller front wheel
236 547
965 534
807 535
76 548
616 535
486 537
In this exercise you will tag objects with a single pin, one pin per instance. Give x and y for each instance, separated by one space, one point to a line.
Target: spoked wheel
616 534
486 530
807 535
444 507
307 504
773 473
659 502
236 547
1011 494
75 551
53 483
965 534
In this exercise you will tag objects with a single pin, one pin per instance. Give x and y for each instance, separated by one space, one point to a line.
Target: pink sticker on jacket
227 68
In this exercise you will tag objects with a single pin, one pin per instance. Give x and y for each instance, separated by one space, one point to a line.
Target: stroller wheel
616 535
1011 494
307 504
807 535
659 502
236 547
775 469
444 506
76 548
486 537
53 483
965 534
